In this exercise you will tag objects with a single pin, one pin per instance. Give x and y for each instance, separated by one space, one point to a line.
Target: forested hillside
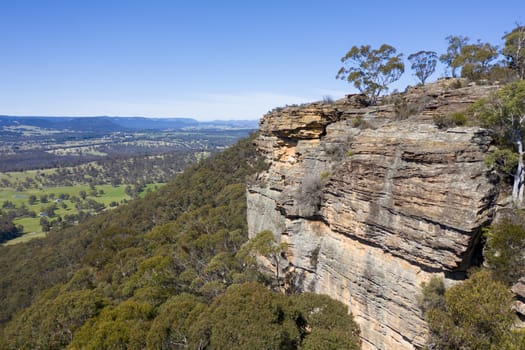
163 272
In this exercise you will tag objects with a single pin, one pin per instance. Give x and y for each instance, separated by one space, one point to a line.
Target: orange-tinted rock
373 202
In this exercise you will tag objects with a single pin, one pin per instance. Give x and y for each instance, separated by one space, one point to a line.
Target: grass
106 194
150 188
31 225
25 238
22 175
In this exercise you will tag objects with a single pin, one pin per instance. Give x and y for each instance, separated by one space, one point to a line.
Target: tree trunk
519 177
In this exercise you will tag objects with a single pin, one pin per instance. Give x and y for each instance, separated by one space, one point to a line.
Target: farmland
53 176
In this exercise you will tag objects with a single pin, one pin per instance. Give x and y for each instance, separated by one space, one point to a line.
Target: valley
55 172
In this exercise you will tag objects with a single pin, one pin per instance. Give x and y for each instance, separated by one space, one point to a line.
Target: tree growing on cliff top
514 50
423 63
371 70
504 114
476 60
455 43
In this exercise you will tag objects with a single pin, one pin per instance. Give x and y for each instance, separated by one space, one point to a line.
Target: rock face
375 200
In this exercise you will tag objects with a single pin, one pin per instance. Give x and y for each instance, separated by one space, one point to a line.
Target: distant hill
105 124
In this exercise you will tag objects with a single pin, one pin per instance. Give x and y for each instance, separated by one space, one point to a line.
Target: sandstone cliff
373 201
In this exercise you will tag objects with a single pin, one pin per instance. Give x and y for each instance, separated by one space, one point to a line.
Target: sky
213 59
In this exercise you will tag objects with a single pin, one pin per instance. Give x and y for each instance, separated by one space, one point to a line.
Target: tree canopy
162 272
455 45
504 114
474 314
423 63
371 70
505 247
514 50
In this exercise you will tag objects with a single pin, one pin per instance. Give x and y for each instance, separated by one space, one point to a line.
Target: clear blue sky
211 59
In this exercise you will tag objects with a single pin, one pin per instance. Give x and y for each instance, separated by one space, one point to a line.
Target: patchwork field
61 204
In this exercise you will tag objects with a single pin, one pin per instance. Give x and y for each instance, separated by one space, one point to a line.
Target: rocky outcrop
375 200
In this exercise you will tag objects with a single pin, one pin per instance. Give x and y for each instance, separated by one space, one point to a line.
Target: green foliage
356 122
451 58
199 214
503 112
329 340
423 63
8 230
264 244
122 327
171 328
154 274
51 322
371 70
433 295
251 316
324 176
505 247
445 121
514 50
475 60
504 161
476 315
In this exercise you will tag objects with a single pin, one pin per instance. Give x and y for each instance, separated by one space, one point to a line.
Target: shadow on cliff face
473 257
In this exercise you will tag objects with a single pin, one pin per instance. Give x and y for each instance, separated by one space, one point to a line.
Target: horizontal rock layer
374 200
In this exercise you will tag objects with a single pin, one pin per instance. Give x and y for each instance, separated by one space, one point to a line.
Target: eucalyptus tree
455 44
514 50
504 114
476 60
371 70
423 63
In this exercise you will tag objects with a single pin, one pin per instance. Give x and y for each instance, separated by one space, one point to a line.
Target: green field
104 194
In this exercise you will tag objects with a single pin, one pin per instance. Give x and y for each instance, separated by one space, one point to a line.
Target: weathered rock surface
375 200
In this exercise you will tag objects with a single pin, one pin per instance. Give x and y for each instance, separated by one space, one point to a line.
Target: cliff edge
375 200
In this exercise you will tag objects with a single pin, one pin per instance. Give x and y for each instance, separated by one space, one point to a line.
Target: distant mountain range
114 124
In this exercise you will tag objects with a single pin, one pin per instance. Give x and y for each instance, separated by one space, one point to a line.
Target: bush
404 109
476 314
505 247
356 122
249 316
504 161
309 195
451 120
457 84
433 295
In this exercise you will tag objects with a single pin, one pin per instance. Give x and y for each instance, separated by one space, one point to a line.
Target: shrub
356 122
404 108
433 295
308 198
476 315
457 84
450 120
505 247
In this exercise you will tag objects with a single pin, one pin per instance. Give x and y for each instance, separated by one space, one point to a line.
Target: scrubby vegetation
371 71
173 270
163 272
475 314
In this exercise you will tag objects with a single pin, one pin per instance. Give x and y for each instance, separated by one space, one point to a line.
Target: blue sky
212 59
